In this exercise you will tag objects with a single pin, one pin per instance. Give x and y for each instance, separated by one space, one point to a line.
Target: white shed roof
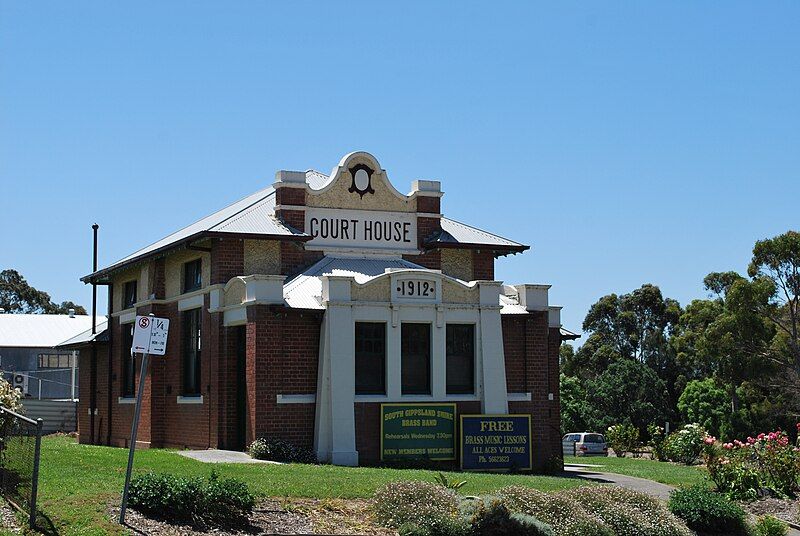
41 331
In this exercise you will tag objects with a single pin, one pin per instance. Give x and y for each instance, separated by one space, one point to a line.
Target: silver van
587 444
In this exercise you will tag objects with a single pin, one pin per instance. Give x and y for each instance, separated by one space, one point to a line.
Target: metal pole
134 429
35 484
74 365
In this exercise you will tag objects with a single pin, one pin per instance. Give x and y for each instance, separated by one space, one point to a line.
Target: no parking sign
150 335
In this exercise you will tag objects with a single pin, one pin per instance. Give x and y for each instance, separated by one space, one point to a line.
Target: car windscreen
593 438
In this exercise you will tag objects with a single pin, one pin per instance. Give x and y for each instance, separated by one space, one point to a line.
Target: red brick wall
290 196
531 355
483 264
101 403
294 258
429 204
282 357
227 259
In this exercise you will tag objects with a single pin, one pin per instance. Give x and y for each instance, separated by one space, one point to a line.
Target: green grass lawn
664 472
77 482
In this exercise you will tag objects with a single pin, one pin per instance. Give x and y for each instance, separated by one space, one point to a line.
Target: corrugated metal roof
41 331
85 337
454 232
568 335
305 290
254 214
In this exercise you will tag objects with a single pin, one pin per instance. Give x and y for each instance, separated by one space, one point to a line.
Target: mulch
8 518
785 509
275 516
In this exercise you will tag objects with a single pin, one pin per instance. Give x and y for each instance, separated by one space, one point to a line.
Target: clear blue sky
626 142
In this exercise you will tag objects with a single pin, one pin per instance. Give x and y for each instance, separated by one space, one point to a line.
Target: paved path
650 487
221 456
656 489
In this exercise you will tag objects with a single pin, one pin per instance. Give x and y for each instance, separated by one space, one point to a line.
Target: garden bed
784 509
275 516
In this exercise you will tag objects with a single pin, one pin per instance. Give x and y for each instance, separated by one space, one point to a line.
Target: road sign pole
134 430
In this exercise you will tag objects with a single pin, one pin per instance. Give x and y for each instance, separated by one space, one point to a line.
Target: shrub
686 444
658 442
744 469
10 398
278 450
199 502
629 512
492 517
706 511
565 516
622 438
415 506
442 480
770 526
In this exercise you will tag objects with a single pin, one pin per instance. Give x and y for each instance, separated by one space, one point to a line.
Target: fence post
35 484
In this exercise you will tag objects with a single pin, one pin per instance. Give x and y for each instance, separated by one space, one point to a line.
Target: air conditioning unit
20 381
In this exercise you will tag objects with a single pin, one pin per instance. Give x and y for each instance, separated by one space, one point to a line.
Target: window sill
417 398
190 399
126 400
296 399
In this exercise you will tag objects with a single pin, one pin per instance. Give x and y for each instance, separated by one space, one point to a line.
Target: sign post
149 337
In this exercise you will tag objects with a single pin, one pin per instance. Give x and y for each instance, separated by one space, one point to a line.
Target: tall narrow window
415 355
460 359
129 295
192 275
128 362
191 352
370 346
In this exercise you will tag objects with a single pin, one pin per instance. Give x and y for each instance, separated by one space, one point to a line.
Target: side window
415 359
129 294
192 275
460 364
370 347
128 362
191 352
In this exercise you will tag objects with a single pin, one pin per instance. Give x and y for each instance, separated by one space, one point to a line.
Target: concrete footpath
656 489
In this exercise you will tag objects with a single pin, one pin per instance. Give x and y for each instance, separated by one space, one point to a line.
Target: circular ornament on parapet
362 180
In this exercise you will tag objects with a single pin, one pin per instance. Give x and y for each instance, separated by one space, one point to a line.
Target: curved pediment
359 182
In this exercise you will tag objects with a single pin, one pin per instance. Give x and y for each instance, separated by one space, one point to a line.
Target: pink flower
727 446
709 440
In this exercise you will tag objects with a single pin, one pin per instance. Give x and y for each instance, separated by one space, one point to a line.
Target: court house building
301 310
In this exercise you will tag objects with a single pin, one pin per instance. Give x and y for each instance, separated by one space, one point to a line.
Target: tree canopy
730 361
18 296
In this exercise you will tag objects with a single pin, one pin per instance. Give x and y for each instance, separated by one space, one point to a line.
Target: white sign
361 229
150 335
415 288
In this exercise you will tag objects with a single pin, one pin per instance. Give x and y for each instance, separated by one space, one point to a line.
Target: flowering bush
279 450
10 398
567 517
686 445
744 469
658 441
415 503
770 526
622 438
629 512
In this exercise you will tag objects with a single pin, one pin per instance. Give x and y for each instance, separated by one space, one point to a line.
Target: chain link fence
20 447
